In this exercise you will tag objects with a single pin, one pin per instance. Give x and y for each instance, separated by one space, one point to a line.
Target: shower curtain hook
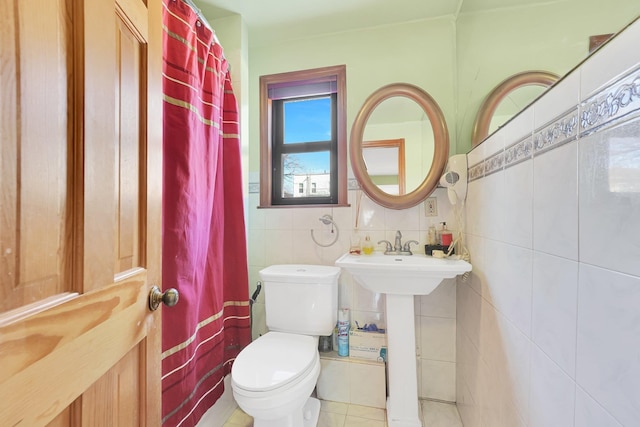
326 220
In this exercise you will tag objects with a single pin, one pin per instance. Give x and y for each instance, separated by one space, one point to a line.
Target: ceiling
272 20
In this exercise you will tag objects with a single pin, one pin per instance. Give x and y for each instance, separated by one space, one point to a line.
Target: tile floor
334 414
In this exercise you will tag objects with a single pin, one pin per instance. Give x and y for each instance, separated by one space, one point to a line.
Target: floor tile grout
344 415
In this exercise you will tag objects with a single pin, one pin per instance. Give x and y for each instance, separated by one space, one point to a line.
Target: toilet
273 377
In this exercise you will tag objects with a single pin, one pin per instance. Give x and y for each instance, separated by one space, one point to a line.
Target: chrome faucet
398 248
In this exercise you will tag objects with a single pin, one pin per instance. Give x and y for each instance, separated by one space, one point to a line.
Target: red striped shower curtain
204 244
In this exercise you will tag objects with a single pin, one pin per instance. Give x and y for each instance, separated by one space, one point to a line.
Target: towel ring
326 220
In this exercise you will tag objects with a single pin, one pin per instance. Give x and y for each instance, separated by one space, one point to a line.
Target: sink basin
400 278
416 274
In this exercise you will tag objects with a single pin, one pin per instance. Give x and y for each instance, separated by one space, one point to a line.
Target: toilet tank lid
300 273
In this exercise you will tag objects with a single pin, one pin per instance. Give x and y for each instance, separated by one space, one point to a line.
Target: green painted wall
491 46
421 53
458 61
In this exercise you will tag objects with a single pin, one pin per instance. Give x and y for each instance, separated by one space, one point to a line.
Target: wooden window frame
266 143
279 148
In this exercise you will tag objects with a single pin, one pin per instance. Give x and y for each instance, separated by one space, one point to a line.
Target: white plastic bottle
431 236
343 332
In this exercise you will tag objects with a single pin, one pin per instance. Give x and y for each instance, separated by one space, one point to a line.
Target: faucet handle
389 247
407 245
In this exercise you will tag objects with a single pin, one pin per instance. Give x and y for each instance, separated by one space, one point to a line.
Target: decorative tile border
518 152
352 184
611 103
494 163
557 133
476 171
608 105
254 188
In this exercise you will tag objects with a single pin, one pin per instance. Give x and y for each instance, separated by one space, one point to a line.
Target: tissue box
367 345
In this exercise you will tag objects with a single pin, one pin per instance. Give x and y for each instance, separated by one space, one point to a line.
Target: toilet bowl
273 377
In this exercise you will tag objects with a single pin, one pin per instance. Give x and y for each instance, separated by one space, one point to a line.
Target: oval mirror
508 99
407 130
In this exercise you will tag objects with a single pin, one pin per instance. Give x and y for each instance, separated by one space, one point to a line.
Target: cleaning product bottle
343 332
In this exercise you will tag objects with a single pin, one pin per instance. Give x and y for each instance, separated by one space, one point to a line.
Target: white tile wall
564 97
438 379
517 216
519 127
555 291
590 414
609 182
555 201
437 338
548 323
608 362
493 201
552 393
354 381
334 382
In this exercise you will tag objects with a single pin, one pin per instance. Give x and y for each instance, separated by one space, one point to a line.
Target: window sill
338 205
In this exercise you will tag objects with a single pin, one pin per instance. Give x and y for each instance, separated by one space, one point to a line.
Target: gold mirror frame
490 103
440 152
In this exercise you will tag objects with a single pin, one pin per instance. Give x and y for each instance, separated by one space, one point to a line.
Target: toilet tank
301 299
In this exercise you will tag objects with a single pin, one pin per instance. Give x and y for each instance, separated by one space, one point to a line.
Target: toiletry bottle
343 332
367 246
443 225
354 243
447 235
431 235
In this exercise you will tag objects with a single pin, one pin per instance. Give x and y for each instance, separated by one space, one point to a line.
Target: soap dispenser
446 235
367 246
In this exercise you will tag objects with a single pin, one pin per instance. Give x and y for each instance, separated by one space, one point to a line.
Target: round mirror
508 99
399 145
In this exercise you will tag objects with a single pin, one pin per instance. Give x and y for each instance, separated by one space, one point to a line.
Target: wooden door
80 212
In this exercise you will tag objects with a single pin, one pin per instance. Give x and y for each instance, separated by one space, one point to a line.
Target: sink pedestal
403 407
400 278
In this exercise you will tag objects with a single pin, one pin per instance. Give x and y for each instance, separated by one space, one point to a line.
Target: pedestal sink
400 278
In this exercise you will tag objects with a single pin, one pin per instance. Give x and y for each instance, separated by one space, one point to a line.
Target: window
303 138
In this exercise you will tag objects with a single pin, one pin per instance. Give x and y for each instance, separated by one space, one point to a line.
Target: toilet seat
276 360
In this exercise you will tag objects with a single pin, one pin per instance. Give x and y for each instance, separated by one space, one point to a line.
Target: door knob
169 297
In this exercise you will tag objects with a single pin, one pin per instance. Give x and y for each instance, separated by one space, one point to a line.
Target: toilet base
306 417
311 410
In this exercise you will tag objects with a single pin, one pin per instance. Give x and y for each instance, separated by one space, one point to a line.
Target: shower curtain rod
198 12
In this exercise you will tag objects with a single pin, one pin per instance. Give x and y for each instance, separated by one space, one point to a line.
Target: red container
447 238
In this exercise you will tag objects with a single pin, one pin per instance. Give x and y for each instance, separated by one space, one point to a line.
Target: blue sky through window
308 120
